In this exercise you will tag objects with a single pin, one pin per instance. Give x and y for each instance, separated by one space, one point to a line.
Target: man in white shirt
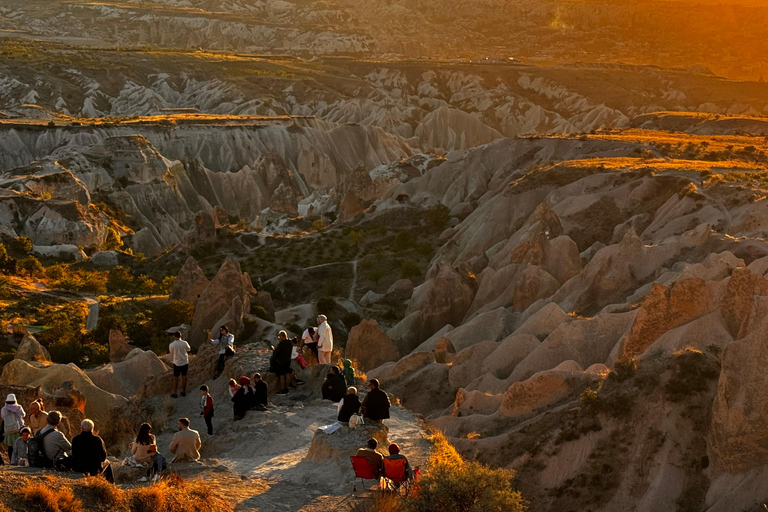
324 340
179 350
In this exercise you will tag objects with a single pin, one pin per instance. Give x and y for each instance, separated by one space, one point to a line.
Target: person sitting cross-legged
89 455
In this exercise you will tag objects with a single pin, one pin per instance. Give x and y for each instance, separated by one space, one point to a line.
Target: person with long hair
140 445
226 343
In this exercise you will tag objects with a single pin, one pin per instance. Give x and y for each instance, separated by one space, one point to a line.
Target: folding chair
364 469
396 476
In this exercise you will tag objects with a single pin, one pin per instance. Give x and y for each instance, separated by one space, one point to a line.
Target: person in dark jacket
376 403
280 362
241 402
349 405
260 397
89 453
334 387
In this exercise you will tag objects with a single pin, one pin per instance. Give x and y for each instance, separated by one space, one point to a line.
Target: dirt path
354 281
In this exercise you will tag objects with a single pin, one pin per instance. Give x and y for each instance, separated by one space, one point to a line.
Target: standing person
226 342
335 387
37 418
89 453
349 405
20 453
13 421
260 393
309 339
324 340
280 362
376 403
242 400
206 408
55 443
179 350
140 445
185 445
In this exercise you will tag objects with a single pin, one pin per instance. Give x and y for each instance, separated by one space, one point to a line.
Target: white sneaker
143 479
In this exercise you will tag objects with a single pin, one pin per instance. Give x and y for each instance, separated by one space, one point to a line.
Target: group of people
35 440
377 460
374 408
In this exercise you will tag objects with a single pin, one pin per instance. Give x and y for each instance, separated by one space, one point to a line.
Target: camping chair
396 476
365 469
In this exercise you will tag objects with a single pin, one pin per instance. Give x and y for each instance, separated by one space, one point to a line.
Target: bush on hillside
7 262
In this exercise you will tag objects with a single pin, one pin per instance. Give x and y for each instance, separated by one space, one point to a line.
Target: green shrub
173 313
120 280
105 324
112 242
409 269
437 217
375 275
22 244
624 369
326 305
403 241
7 262
30 266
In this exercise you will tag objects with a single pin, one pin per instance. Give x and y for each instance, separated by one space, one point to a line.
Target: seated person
349 405
158 467
334 387
370 453
394 454
376 403
20 455
242 399
55 443
185 445
89 453
260 393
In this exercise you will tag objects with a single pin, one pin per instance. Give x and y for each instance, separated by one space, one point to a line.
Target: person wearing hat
324 340
13 420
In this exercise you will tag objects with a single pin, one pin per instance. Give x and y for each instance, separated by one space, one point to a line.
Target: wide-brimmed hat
10 398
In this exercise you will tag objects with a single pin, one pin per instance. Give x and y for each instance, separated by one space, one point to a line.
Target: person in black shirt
334 387
89 453
242 399
376 403
280 362
260 393
349 405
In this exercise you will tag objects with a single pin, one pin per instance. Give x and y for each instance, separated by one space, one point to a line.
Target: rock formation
118 346
370 346
31 350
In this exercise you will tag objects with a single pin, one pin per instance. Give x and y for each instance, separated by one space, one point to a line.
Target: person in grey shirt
55 444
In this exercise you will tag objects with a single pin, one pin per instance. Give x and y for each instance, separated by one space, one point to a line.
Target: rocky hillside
723 36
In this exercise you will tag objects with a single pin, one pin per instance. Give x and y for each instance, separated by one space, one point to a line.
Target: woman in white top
226 342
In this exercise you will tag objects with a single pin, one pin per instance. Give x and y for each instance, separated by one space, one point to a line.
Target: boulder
216 302
371 297
392 372
344 443
203 228
542 322
190 283
586 341
98 403
400 291
118 346
105 259
444 350
125 378
490 326
425 391
545 389
468 364
64 399
475 402
31 350
370 346
517 286
407 333
63 252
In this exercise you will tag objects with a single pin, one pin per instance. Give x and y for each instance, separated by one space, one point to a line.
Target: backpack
36 451
355 421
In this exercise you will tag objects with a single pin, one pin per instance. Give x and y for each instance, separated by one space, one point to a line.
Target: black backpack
36 451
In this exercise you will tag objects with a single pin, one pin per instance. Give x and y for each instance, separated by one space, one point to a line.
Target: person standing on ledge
324 340
226 342
179 350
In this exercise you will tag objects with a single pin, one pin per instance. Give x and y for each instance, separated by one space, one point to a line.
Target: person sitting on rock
243 399
260 395
233 387
179 350
280 362
335 387
324 340
185 445
158 467
55 445
376 403
394 454
349 372
13 421
349 405
370 453
20 452
89 455
37 417
226 342
140 445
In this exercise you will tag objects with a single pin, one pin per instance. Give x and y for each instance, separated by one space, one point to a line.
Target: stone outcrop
124 378
190 283
370 346
31 350
118 346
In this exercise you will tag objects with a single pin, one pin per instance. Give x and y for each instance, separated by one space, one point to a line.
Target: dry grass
43 497
104 492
